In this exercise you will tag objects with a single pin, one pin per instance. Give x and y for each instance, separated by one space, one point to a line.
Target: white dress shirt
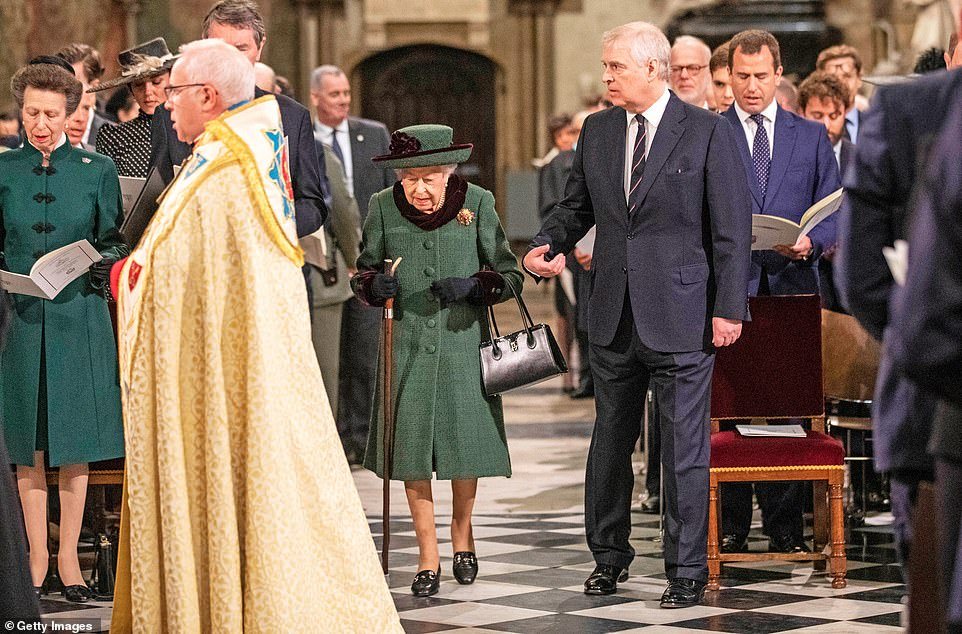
750 126
326 133
652 117
837 148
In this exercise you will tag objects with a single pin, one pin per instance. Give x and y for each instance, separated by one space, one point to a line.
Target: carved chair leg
839 561
714 562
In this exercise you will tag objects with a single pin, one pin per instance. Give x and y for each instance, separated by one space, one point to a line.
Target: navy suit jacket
895 136
307 171
683 256
927 313
803 171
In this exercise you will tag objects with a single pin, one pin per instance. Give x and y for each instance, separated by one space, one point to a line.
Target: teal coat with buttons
77 197
446 425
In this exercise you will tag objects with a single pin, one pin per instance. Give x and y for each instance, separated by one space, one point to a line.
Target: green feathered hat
423 146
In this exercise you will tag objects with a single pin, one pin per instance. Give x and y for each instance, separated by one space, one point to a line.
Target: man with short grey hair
663 185
355 142
690 78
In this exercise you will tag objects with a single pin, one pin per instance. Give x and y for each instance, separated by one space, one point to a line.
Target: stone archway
436 84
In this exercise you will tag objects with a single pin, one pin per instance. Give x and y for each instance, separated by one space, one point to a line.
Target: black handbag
105 567
525 357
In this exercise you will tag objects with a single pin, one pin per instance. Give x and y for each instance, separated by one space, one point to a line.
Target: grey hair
221 65
647 43
447 170
691 40
317 75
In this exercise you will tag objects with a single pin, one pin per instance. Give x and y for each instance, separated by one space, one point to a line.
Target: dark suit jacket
803 171
368 139
831 298
98 122
683 256
166 150
894 139
927 312
551 181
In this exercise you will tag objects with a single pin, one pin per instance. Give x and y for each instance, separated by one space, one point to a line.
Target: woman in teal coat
59 387
456 261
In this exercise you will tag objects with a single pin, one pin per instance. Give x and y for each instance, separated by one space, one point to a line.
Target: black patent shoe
77 593
38 590
787 544
605 579
426 583
732 543
683 593
465 567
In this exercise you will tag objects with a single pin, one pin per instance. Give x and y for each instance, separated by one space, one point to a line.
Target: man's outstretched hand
535 263
725 332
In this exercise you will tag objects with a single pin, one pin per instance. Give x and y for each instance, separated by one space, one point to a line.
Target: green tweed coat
78 197
446 425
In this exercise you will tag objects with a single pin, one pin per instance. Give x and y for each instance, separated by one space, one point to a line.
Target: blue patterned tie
336 147
760 154
637 165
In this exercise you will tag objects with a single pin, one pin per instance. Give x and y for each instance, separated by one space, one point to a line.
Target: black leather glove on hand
455 289
100 277
384 287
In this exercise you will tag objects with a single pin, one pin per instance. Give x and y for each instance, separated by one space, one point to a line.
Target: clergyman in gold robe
240 512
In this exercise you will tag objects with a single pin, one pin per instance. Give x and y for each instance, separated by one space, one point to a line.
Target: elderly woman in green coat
456 261
59 387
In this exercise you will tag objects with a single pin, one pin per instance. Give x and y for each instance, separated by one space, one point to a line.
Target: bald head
690 78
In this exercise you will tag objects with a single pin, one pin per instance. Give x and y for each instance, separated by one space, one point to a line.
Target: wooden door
436 84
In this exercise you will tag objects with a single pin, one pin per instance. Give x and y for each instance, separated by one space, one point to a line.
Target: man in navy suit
789 165
238 23
896 135
926 341
662 182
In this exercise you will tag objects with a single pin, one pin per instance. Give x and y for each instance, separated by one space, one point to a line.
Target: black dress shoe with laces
605 579
683 593
77 593
465 567
734 544
786 544
426 583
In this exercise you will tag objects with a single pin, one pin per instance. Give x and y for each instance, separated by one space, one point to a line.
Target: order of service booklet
52 272
771 431
768 231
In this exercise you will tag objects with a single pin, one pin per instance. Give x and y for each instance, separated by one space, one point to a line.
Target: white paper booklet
897 257
768 231
51 273
587 243
771 431
130 188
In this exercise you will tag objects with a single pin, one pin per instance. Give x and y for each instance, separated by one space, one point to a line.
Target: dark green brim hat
423 146
141 62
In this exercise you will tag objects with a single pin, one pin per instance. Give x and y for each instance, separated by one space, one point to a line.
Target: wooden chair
775 371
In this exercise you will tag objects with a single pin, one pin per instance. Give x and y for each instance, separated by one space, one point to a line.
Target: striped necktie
637 166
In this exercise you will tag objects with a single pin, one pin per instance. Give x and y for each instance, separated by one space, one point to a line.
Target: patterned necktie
637 165
761 157
336 146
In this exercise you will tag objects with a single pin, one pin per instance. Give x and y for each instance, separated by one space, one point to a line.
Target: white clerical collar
655 111
63 139
769 112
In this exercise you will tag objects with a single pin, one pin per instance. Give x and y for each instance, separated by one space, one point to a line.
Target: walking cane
387 362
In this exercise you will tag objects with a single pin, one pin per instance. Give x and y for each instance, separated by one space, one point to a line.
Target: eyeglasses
693 69
170 91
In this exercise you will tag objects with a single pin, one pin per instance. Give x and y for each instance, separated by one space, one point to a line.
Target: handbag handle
525 319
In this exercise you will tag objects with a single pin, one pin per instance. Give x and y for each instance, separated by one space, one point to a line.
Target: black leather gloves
456 289
384 287
100 277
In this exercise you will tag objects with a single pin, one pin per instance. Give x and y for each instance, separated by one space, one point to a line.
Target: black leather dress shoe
426 583
605 579
77 593
683 593
651 505
734 544
786 544
38 590
465 567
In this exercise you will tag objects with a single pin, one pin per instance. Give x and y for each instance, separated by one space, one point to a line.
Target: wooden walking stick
387 363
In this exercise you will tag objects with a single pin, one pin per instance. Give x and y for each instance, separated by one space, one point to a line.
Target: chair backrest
774 370
850 358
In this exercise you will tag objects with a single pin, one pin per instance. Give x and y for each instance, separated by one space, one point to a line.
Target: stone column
537 68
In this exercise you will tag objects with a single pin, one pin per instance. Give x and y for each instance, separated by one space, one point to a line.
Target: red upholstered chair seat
731 449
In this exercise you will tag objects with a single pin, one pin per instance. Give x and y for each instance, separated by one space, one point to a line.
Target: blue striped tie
637 166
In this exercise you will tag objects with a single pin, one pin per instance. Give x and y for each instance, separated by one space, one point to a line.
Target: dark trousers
781 503
681 382
360 328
